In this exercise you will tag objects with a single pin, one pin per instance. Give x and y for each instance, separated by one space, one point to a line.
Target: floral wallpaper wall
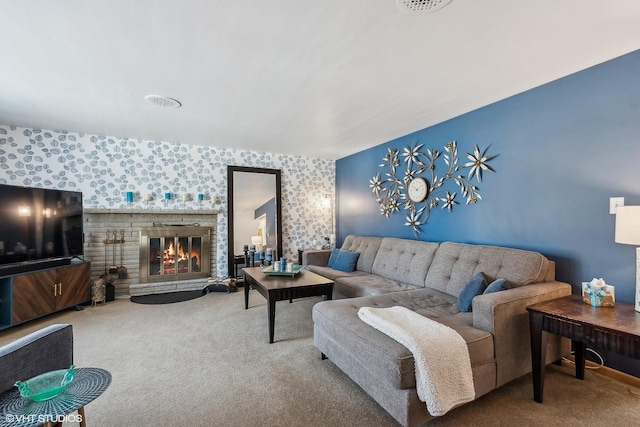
105 168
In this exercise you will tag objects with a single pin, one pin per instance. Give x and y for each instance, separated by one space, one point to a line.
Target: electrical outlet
614 202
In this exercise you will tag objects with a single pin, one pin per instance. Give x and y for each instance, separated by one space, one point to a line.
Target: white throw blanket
443 368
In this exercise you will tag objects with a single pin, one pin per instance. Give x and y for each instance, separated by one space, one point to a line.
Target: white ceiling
252 190
314 78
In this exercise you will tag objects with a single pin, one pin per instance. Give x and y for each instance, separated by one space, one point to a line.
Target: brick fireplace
99 222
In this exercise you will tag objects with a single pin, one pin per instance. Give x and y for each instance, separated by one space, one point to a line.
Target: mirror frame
230 227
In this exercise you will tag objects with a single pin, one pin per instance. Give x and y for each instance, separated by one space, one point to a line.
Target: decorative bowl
46 386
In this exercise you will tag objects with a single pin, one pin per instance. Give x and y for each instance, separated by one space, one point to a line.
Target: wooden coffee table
280 288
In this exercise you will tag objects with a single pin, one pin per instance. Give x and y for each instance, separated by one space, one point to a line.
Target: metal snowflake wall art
392 190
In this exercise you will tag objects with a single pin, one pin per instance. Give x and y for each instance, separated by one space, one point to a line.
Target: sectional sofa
428 278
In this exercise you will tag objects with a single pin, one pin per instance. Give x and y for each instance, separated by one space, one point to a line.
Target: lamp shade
628 225
256 240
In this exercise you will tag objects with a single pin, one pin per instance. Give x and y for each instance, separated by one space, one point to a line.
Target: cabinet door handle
55 289
60 288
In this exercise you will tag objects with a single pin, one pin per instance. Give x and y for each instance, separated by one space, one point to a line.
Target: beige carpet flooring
207 362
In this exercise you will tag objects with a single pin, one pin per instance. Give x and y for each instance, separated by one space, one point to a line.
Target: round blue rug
169 297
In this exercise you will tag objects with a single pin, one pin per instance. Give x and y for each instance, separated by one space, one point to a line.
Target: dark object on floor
222 285
169 297
220 288
111 292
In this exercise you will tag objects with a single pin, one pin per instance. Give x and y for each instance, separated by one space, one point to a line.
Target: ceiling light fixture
421 6
162 101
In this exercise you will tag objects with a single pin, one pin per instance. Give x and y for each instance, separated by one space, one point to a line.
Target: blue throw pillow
332 258
475 286
343 260
497 286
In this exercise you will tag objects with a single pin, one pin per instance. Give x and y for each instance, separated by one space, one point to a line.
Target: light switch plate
614 202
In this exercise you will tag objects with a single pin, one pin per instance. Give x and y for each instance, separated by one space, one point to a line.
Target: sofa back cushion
455 263
404 260
367 247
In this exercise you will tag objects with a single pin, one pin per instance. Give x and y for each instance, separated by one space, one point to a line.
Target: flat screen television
39 228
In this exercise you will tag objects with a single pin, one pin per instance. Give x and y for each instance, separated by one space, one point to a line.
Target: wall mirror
255 211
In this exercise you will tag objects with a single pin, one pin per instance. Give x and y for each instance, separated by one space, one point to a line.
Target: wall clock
403 188
417 190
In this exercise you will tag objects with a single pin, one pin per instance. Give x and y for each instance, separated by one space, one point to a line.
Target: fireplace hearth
169 253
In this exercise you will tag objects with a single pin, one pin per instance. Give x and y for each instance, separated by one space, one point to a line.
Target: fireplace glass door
174 254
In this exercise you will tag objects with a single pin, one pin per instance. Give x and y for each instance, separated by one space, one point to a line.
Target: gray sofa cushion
382 355
333 274
454 263
366 246
404 260
367 285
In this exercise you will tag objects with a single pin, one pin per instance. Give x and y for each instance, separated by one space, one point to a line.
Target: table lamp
628 232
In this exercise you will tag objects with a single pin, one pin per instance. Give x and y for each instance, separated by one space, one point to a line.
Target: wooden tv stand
29 295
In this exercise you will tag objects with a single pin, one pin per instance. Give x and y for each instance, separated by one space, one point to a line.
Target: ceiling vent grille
421 6
162 101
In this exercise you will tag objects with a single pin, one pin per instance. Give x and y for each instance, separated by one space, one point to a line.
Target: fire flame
171 255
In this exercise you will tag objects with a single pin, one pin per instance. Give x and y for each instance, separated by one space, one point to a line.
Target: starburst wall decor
418 193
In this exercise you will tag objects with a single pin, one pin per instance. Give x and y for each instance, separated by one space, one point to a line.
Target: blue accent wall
563 149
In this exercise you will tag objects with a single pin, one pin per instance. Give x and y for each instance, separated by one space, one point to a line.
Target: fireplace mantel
154 211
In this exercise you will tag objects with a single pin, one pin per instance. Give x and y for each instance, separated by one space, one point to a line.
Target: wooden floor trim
611 373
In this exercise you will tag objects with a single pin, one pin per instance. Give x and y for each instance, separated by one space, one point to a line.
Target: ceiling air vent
421 6
162 101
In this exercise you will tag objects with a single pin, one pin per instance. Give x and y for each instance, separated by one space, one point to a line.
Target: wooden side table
615 329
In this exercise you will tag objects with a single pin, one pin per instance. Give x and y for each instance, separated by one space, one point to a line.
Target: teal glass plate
269 271
46 386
